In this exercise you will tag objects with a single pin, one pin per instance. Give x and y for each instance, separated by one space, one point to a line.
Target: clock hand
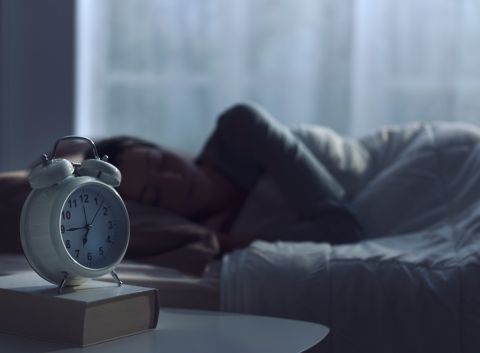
85 215
85 239
86 226
75 228
96 213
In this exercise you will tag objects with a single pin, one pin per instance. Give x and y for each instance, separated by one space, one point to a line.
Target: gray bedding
176 289
249 145
414 284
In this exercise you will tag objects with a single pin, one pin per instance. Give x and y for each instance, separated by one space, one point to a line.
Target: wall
37 78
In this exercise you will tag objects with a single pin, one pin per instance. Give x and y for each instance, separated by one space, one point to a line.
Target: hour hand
85 239
75 228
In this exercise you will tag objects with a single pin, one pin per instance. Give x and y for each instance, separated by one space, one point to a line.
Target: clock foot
116 278
62 284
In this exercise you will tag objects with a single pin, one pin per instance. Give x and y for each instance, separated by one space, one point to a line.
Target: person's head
157 176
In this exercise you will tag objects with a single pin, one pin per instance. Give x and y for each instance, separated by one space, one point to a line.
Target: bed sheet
176 289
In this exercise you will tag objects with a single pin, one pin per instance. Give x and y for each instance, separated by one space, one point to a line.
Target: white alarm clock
74 225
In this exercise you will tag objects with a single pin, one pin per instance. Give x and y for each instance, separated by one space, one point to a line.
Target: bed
413 285
176 288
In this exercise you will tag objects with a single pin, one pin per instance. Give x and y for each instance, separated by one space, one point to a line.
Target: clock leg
116 278
62 284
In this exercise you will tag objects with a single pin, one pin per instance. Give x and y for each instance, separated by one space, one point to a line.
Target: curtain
165 69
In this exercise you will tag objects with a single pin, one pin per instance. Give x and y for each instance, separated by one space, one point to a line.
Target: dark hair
113 147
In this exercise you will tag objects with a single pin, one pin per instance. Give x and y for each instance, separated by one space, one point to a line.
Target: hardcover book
92 313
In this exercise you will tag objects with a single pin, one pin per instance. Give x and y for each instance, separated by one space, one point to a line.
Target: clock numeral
62 228
100 250
96 201
77 252
89 256
110 225
105 211
66 215
67 244
109 240
84 198
74 203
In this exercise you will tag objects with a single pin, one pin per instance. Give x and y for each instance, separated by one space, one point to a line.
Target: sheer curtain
415 61
164 69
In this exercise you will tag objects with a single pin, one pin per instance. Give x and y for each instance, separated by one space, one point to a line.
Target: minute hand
96 213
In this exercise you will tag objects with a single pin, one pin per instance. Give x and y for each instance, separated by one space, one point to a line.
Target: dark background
37 51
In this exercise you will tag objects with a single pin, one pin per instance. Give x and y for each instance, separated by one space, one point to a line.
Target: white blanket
414 285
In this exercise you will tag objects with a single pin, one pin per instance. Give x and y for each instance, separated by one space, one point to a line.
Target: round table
182 330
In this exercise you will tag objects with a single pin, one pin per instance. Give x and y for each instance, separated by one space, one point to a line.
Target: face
159 177
93 226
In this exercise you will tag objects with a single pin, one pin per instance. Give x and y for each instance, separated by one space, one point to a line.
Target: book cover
92 313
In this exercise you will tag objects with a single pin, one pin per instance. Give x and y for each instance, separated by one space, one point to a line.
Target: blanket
414 284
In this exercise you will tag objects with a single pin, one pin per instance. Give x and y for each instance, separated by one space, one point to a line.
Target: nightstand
182 330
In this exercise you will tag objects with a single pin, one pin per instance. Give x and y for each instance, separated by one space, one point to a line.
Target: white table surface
181 330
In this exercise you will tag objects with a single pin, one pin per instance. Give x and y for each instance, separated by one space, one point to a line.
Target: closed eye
148 157
149 196
156 161
150 193
142 194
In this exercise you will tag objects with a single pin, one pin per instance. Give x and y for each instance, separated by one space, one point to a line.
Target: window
164 69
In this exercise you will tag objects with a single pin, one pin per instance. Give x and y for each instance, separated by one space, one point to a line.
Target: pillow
157 236
165 239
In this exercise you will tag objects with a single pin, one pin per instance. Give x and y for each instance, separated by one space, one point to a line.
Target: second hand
96 213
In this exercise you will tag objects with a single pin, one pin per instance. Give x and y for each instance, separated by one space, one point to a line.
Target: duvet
414 284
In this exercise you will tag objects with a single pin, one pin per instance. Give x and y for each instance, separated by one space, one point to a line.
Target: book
91 313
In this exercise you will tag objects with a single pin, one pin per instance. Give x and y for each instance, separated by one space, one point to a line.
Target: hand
85 216
87 227
96 213
76 228
85 237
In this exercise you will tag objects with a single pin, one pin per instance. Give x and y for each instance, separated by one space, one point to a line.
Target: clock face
94 226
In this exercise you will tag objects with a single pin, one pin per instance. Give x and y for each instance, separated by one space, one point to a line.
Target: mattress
176 289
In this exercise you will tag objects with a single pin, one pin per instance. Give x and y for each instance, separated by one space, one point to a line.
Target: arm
247 142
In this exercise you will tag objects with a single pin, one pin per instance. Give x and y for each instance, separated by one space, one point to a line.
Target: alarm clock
74 225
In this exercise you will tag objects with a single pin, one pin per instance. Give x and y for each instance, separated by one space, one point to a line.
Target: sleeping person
207 196
211 189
